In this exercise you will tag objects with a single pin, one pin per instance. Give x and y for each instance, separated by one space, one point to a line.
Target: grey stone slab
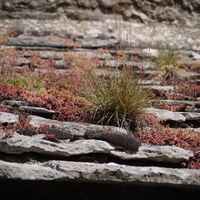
104 173
19 144
166 114
8 117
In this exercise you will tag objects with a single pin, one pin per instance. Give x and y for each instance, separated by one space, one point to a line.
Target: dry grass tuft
117 97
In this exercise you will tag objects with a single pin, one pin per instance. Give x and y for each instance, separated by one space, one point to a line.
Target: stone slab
99 173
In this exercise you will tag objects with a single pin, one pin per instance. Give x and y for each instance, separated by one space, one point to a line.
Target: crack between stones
99 158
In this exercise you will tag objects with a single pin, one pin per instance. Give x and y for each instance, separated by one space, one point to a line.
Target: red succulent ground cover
184 90
40 83
67 107
157 134
60 93
187 139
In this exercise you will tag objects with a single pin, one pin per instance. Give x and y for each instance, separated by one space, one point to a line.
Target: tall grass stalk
116 95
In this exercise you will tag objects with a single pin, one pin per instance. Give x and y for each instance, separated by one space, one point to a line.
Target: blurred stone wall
184 12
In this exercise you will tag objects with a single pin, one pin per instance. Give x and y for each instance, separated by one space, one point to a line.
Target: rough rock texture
77 128
100 24
19 144
109 171
25 107
8 117
34 34
30 158
92 172
174 116
183 12
166 114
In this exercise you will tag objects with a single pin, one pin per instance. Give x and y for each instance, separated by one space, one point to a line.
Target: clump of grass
166 56
167 62
117 97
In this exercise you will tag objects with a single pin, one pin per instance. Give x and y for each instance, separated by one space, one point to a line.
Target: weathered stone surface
164 154
86 34
174 116
191 115
30 15
8 117
105 3
41 41
19 144
32 109
23 40
179 102
29 170
119 64
96 43
86 54
163 88
25 107
60 64
77 13
105 173
145 11
76 128
109 172
166 114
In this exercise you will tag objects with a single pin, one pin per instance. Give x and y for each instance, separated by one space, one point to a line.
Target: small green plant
118 99
25 82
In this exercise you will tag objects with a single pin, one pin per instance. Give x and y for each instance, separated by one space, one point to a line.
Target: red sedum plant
39 83
67 106
187 139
